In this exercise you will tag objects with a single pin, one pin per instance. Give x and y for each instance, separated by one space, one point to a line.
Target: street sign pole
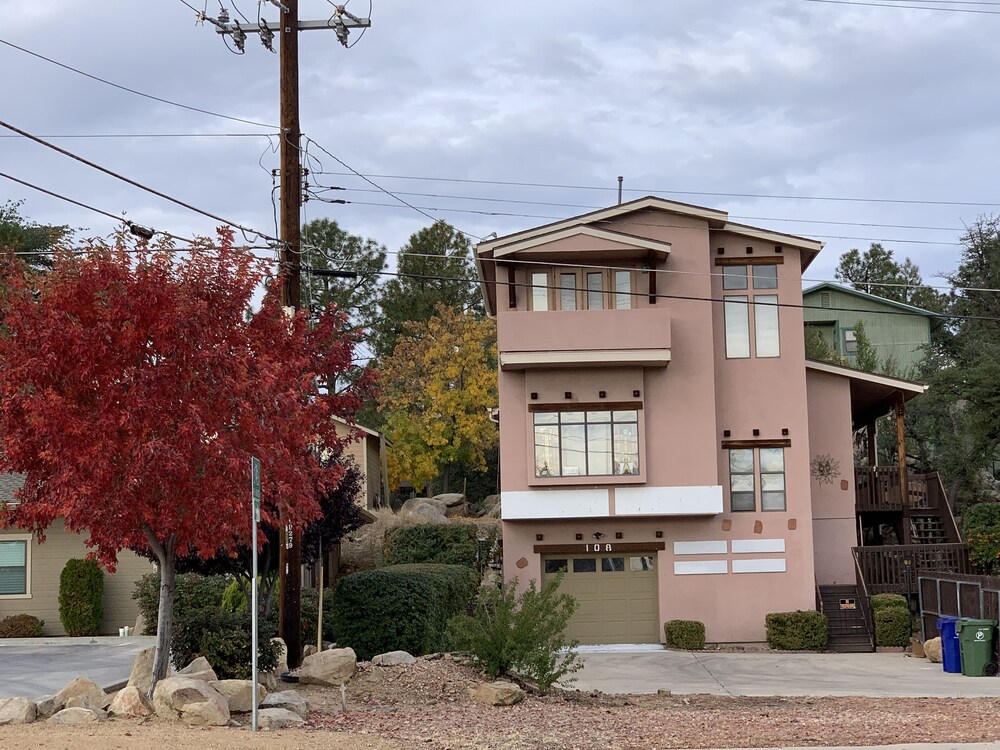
255 503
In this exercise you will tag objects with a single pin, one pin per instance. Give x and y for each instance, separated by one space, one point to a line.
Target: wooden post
903 481
872 451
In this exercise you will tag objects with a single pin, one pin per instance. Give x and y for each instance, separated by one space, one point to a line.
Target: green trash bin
975 638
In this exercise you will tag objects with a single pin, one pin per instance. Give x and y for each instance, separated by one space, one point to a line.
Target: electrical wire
908 7
137 92
148 135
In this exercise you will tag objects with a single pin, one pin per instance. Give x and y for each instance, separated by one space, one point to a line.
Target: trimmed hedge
441 544
883 601
81 589
225 639
796 631
191 592
685 634
400 607
892 626
21 626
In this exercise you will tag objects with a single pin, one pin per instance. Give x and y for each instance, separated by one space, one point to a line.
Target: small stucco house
663 440
29 573
369 449
899 332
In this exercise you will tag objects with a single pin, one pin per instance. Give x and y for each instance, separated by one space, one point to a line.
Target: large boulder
45 706
393 659
192 701
131 703
332 668
289 700
76 715
199 669
278 718
282 665
239 694
491 506
17 711
82 693
498 693
454 503
411 505
142 670
932 650
430 513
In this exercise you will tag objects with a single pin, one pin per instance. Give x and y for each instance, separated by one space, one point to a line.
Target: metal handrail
862 599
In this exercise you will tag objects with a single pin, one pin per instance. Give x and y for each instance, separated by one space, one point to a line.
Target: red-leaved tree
135 385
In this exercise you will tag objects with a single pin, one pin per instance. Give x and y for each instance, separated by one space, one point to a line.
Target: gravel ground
426 705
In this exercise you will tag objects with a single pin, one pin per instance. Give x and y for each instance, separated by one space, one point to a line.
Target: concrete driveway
31 667
780 674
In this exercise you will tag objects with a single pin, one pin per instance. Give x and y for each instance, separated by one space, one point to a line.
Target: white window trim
27 539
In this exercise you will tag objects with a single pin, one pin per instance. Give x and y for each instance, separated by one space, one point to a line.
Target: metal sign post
255 502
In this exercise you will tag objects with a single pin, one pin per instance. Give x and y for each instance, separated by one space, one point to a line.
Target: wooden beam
511 288
901 453
598 548
752 260
786 443
872 452
651 265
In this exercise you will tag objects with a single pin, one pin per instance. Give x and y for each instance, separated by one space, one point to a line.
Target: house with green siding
899 332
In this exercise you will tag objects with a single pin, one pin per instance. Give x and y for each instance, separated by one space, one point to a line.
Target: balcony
593 338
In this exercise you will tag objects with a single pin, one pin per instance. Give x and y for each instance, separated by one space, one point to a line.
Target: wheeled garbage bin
976 642
951 655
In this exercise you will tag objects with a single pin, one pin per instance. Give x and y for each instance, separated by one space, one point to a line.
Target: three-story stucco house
663 439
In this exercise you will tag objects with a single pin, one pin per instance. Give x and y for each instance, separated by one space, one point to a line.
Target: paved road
761 674
32 667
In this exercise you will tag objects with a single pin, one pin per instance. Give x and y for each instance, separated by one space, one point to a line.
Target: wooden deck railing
877 488
885 569
863 598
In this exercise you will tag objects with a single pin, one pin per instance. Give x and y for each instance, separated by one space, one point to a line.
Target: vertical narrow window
623 290
737 327
626 442
734 277
573 435
13 568
741 480
595 291
772 479
539 291
547 444
567 291
765 317
765 277
599 443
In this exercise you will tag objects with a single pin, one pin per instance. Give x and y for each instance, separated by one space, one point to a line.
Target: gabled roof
608 235
872 395
830 286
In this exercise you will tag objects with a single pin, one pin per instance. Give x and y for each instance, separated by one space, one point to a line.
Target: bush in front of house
81 590
892 626
796 631
191 592
524 633
400 607
225 639
685 634
21 626
442 544
888 601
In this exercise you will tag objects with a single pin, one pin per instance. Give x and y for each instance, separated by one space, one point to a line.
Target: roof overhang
872 395
808 248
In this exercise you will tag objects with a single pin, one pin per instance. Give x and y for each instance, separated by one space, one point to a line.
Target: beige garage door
617 595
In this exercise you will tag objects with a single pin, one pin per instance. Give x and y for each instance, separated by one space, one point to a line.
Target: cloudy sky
840 121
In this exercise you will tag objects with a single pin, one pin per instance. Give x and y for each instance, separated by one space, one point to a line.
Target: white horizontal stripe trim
700 548
532 504
668 501
700 567
759 566
758 545
597 356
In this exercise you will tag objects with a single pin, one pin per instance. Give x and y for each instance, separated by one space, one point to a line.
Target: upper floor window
738 276
744 469
736 315
539 290
13 567
586 443
582 289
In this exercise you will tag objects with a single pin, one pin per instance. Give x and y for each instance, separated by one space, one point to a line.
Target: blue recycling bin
951 650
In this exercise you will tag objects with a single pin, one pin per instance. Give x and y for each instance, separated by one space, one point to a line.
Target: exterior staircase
927 529
846 626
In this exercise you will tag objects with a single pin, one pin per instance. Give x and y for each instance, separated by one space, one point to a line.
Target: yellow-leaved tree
437 388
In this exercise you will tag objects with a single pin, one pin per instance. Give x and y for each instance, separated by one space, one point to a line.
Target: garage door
617 596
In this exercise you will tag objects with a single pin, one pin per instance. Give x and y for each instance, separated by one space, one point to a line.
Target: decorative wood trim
584 548
787 443
589 406
651 263
511 288
756 260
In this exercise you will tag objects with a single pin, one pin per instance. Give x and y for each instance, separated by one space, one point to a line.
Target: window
612 564
765 320
586 443
850 341
765 277
567 291
623 290
539 291
576 289
734 277
736 312
737 317
595 291
743 475
641 563
13 567
555 566
585 565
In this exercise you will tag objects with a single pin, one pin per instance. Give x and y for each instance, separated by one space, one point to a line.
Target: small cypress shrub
796 631
883 601
81 589
892 626
685 634
21 626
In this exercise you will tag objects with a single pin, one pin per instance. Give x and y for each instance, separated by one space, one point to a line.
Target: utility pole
290 231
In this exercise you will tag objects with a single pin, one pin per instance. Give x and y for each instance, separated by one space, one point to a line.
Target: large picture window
586 443
13 567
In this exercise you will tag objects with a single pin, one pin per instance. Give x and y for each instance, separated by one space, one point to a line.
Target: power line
132 182
137 92
147 135
909 7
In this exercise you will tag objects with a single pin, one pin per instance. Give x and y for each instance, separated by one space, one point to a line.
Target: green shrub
191 592
81 589
21 626
796 631
443 544
403 607
892 626
981 529
224 638
888 601
686 634
525 633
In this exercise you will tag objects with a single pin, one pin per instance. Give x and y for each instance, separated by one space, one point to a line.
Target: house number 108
598 548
